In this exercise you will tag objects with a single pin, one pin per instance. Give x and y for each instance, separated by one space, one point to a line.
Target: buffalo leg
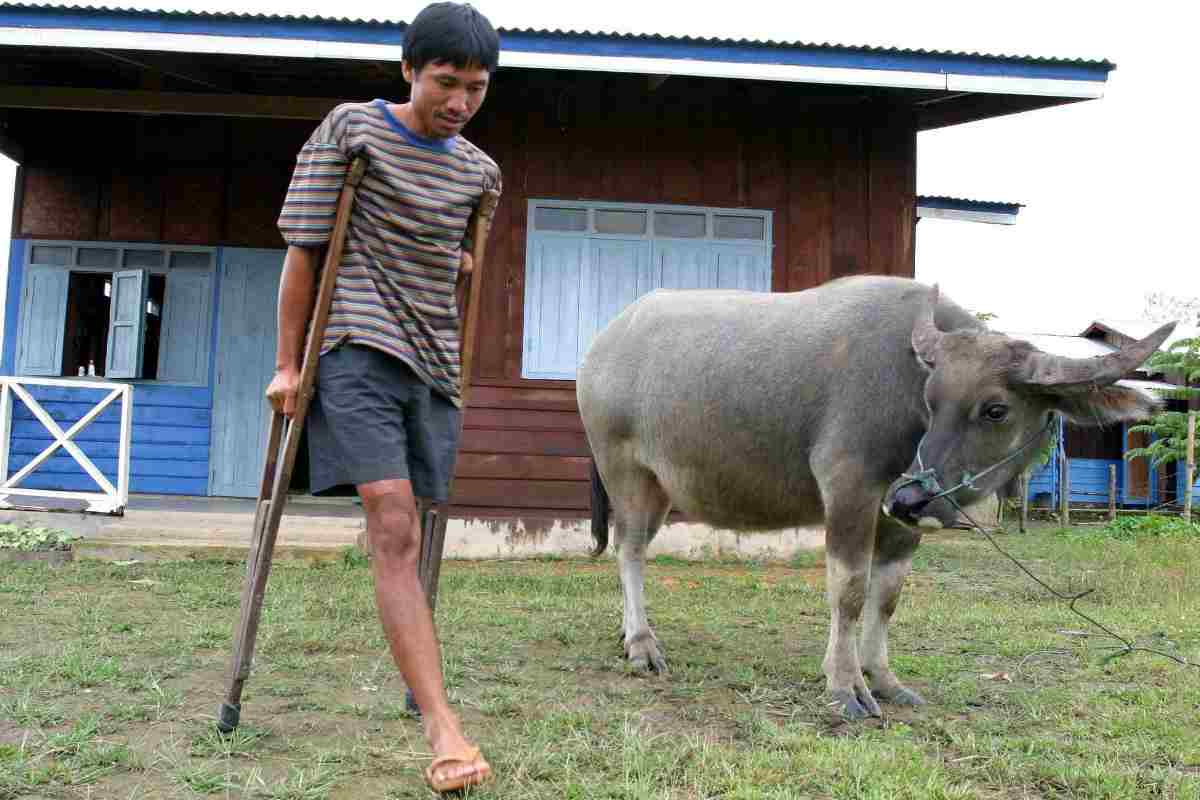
640 506
849 541
894 547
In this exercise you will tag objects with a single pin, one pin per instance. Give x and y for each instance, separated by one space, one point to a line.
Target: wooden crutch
277 471
435 517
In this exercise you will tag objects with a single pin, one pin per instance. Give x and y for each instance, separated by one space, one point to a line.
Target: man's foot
452 771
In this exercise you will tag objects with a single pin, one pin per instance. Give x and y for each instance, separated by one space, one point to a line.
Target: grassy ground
110 675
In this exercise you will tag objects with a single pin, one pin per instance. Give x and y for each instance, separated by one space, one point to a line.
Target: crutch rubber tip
410 704
228 718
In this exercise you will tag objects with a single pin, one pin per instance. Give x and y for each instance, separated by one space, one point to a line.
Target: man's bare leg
394 528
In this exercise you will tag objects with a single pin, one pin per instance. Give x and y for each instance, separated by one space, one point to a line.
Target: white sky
1110 185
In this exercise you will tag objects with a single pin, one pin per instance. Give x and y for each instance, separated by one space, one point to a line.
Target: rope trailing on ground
1126 647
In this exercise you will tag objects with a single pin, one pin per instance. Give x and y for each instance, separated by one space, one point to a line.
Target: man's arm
296 289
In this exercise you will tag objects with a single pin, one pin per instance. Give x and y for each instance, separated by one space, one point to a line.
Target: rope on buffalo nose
927 476
1126 647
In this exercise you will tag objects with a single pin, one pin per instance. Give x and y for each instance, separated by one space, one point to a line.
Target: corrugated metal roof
966 204
628 34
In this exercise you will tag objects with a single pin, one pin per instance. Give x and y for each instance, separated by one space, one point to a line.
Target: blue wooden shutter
552 304
184 345
684 265
43 318
740 266
127 324
617 273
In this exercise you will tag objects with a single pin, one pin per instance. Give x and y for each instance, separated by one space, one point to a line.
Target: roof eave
949 77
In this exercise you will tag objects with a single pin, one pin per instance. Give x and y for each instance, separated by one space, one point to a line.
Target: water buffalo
752 411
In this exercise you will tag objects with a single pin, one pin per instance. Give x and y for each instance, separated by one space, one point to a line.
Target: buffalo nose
908 502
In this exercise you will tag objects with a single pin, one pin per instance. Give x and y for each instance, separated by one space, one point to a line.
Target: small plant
34 538
1152 525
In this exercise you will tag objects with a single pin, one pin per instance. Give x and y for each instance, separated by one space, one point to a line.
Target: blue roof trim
963 204
391 33
807 55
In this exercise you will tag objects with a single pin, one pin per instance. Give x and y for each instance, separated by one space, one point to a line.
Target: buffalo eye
996 412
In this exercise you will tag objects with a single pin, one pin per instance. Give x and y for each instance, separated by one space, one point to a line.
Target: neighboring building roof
63 25
1152 386
959 208
1140 329
1065 346
1086 346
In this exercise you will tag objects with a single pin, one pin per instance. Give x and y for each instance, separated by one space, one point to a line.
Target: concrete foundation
160 526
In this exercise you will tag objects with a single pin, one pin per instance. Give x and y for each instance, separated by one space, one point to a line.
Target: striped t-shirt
395 285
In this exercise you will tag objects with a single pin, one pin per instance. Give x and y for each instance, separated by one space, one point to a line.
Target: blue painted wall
12 304
171 424
1181 484
1089 482
170 439
1089 479
1043 485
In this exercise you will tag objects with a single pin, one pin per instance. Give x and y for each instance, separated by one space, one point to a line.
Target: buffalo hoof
856 706
644 654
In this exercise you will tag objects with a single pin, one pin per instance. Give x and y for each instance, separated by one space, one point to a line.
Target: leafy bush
34 538
1132 527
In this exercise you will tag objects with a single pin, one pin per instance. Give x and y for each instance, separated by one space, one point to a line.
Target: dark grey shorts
373 419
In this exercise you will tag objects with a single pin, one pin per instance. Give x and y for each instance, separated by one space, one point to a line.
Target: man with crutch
385 415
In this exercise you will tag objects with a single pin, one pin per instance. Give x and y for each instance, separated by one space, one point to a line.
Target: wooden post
1191 466
1064 489
1112 492
1024 501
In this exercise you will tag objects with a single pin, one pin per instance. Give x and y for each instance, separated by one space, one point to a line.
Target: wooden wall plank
723 155
516 203
511 493
136 207
766 165
496 141
523 467
893 188
628 173
522 419
810 205
255 196
533 396
194 199
59 202
681 121
543 144
548 443
850 253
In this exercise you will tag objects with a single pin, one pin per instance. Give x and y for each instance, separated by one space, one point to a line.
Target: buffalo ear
1106 405
926 338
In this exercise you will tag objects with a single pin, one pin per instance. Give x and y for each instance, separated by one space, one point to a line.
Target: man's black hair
453 33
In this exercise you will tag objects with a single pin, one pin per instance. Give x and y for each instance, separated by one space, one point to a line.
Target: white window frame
767 243
592 206
121 248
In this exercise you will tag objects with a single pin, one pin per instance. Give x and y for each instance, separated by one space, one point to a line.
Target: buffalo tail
600 509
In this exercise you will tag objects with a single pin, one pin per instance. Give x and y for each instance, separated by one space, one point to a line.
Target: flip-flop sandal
468 756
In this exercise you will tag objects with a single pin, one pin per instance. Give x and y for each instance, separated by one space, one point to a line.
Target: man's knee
394 530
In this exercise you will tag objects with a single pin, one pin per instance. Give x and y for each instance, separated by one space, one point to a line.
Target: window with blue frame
122 311
586 261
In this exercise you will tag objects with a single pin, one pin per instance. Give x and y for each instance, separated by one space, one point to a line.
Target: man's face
444 97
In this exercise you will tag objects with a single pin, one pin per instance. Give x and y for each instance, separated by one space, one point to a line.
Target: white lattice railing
109 499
